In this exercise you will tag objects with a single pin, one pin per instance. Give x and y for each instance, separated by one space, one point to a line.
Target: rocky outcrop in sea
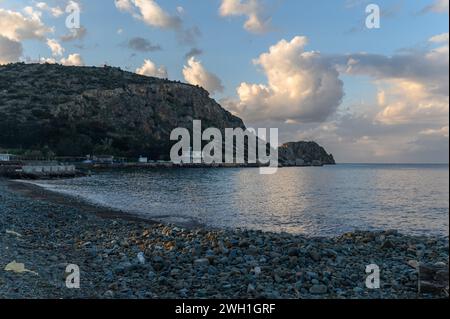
304 154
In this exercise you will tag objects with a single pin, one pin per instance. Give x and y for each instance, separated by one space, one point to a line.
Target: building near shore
6 157
103 159
143 159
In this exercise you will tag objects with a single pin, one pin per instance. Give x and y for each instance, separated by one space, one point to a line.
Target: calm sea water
413 199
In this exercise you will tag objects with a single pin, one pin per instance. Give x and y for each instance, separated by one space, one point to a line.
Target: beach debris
18 268
433 278
257 271
413 264
141 258
11 232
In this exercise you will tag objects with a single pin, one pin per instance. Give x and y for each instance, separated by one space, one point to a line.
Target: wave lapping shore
130 258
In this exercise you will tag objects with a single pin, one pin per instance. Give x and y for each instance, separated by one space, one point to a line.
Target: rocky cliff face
304 154
75 111
86 110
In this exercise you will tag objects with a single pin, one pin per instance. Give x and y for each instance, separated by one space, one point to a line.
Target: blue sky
334 29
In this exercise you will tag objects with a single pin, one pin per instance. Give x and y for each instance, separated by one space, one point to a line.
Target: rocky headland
304 154
53 110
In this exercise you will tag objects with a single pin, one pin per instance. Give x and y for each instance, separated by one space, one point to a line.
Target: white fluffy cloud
73 60
149 68
124 5
414 87
195 74
254 10
54 11
149 12
404 101
55 47
18 27
302 86
408 122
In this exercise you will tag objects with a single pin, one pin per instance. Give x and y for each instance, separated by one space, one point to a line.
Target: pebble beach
123 257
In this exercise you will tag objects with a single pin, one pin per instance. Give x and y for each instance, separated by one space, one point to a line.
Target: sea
313 201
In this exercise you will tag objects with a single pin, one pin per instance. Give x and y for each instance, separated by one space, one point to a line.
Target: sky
312 69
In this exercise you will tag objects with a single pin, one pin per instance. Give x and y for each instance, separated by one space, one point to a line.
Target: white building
143 159
5 157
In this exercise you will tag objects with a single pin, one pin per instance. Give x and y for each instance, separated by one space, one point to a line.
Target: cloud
57 49
181 10
302 86
438 6
195 74
149 12
10 50
193 53
149 68
443 131
141 45
47 60
124 5
73 60
413 87
15 26
54 11
410 102
359 138
74 34
440 38
408 122
254 10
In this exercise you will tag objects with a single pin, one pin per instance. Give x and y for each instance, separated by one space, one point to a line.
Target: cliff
75 111
85 110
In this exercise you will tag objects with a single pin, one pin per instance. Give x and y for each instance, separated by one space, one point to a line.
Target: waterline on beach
311 201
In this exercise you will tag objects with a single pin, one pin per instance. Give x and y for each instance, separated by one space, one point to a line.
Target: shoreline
37 192
46 231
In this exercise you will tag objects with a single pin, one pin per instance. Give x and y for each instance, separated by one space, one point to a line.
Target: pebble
318 289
